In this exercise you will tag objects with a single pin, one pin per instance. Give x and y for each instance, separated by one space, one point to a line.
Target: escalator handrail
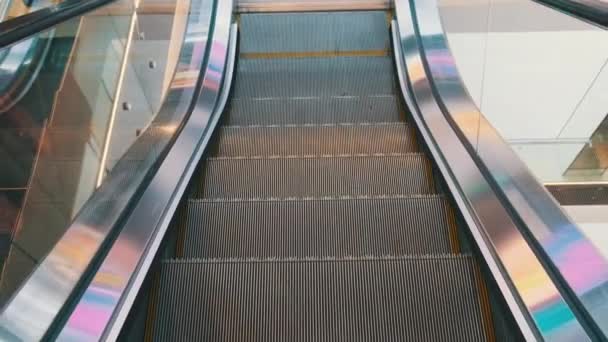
27 25
173 178
40 307
547 229
487 220
592 11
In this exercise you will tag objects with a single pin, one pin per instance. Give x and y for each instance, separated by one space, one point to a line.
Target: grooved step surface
405 299
315 217
304 32
315 140
313 110
318 228
313 77
369 175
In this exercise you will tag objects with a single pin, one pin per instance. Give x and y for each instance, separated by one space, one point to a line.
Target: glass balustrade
540 78
88 89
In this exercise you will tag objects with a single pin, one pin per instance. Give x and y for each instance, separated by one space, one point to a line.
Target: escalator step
431 298
314 77
313 110
317 31
327 176
318 228
315 140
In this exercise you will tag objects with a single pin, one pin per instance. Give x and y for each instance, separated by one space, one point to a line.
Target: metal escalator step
316 31
313 110
318 227
314 140
327 176
431 298
314 77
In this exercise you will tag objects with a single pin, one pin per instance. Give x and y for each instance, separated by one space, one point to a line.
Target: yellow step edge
484 301
152 309
452 226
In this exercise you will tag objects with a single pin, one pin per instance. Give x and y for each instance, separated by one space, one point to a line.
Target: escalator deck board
430 298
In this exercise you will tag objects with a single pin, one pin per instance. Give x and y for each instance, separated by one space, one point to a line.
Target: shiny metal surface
579 268
113 289
310 5
538 306
34 308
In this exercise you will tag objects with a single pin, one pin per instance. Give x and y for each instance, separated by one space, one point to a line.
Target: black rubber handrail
16 29
593 11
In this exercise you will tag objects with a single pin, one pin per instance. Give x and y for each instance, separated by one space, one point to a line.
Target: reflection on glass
592 160
592 221
100 81
540 78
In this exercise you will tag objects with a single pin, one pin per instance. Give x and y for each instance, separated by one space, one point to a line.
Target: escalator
317 215
244 172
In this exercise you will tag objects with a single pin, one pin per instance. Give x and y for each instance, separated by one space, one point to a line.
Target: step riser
314 77
317 228
302 6
432 299
305 32
314 140
316 177
316 110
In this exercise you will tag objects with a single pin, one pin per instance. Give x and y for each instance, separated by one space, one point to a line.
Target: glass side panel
540 78
86 90
592 222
